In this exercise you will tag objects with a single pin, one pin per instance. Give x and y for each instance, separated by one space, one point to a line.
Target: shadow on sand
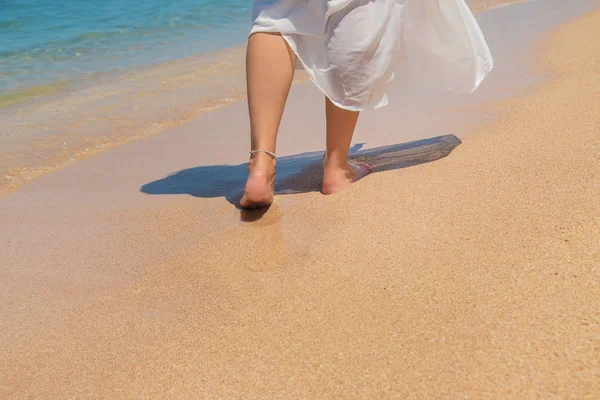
298 173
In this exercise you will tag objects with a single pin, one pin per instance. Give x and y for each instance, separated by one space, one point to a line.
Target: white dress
352 49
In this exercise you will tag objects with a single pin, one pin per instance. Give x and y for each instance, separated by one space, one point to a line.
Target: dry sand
475 276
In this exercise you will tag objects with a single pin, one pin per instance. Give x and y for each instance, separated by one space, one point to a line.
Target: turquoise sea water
77 76
44 42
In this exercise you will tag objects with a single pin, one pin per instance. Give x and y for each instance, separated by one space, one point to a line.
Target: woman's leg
270 65
338 172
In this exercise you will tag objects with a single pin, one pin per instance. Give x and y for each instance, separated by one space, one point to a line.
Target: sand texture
461 268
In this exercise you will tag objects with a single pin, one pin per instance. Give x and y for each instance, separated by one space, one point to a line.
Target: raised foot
337 179
260 187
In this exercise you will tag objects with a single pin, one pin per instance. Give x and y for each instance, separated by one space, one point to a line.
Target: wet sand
463 267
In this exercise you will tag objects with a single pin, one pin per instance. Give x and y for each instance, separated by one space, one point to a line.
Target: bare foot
260 187
336 179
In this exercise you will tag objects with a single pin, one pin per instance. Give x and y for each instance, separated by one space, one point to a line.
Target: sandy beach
466 266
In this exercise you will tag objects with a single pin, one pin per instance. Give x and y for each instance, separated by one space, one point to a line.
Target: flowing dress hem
311 74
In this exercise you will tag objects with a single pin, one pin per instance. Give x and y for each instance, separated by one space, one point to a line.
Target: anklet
253 152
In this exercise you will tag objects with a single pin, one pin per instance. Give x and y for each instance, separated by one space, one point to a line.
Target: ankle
261 162
335 162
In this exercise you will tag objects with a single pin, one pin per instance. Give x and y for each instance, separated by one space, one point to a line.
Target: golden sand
477 276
